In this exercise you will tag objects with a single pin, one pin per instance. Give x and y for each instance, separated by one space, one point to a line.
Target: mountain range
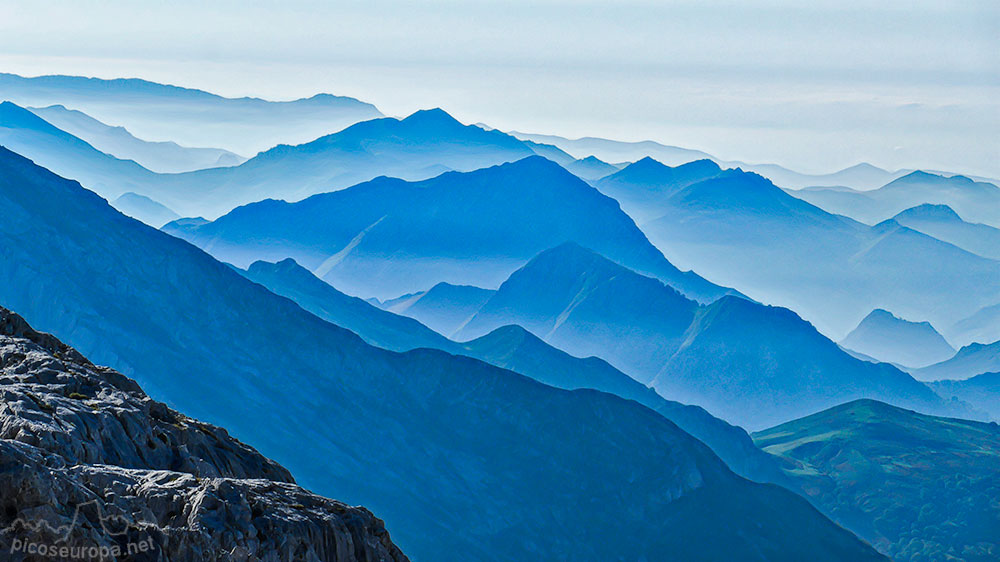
917 487
863 176
163 157
885 337
739 230
511 347
389 237
750 364
975 201
462 459
29 135
190 117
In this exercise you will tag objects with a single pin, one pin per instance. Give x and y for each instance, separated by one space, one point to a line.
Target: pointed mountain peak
534 166
646 165
863 167
436 117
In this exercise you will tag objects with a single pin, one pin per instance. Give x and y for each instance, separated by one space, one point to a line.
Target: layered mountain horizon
506 346
205 339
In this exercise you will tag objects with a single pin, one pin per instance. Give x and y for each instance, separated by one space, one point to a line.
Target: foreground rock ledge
91 468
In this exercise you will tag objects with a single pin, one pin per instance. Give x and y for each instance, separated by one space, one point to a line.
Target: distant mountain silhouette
941 222
160 112
981 391
750 364
444 307
461 459
389 237
616 151
975 201
885 337
740 230
973 359
165 156
643 187
983 326
145 209
590 168
861 176
421 146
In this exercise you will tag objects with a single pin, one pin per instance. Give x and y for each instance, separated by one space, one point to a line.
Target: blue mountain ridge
460 458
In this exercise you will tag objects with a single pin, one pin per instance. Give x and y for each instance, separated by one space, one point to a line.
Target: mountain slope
975 201
26 133
377 327
918 487
511 347
757 365
885 337
941 222
973 359
740 230
462 459
78 441
389 237
514 348
190 117
444 307
164 156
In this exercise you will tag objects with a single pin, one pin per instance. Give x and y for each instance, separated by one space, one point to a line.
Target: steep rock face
89 460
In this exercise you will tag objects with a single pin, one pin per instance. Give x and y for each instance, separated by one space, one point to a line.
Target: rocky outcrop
88 461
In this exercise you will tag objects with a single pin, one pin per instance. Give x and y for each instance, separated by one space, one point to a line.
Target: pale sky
815 86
